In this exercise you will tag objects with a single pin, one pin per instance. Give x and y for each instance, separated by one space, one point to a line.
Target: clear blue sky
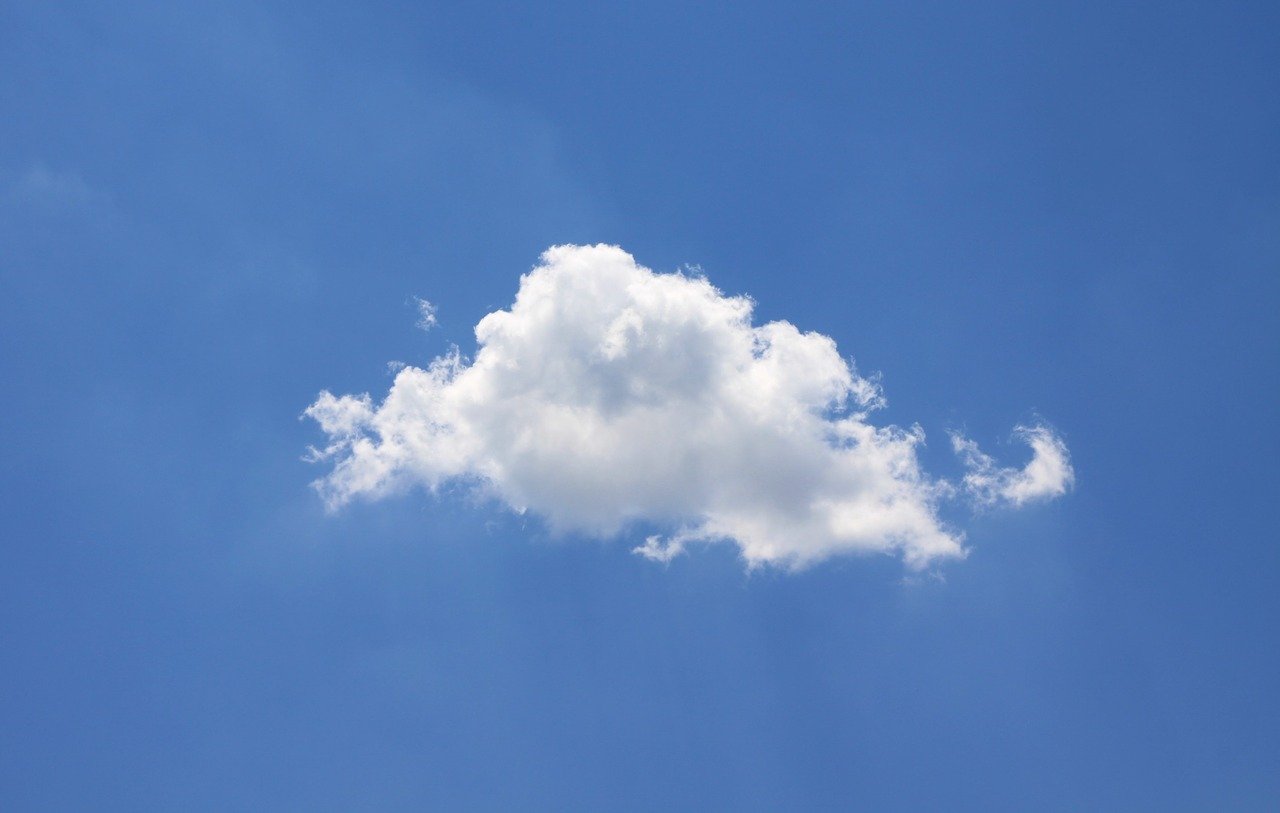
209 213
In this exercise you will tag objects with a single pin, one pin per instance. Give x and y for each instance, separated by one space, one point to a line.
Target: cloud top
608 394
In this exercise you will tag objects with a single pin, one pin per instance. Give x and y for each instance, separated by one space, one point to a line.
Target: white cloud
1048 475
608 394
657 549
426 313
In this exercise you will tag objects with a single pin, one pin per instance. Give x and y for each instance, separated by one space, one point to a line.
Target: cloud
609 395
426 313
51 192
657 549
1048 475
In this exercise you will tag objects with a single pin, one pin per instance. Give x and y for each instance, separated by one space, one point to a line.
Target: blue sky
211 213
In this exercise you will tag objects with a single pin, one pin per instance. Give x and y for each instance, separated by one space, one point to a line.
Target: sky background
209 213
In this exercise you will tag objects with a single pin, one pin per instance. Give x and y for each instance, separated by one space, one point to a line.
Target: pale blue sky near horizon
211 212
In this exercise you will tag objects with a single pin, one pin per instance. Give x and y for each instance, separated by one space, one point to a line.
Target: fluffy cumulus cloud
609 395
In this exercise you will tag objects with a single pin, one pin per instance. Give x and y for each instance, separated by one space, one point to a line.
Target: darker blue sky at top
210 212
